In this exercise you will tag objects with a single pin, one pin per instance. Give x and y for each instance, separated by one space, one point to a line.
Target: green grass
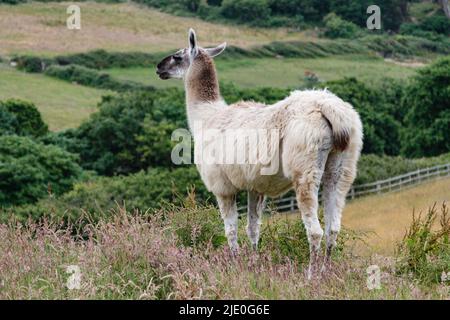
287 72
62 104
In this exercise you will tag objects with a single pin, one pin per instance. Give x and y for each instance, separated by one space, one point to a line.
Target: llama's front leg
228 210
255 208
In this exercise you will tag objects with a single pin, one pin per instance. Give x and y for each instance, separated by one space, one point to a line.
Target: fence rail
289 203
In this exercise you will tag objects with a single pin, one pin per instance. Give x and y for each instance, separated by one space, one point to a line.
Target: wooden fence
289 204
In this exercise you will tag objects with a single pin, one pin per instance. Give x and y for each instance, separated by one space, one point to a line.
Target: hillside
63 105
118 27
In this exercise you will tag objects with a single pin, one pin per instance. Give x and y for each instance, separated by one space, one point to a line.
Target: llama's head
177 64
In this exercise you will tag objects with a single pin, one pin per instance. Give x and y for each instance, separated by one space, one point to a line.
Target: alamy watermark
373 277
74 280
73 22
374 21
259 147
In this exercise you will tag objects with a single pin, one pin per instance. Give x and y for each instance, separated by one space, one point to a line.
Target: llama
320 139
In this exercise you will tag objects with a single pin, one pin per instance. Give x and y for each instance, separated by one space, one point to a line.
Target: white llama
320 139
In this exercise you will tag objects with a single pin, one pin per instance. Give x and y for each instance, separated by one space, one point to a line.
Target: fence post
378 188
292 204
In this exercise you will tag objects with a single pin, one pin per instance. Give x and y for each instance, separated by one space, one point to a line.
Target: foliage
102 59
374 167
287 13
428 118
144 191
381 129
21 118
336 27
245 10
196 226
30 170
425 248
92 78
113 139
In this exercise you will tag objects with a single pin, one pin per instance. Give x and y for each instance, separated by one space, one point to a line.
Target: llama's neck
202 90
201 82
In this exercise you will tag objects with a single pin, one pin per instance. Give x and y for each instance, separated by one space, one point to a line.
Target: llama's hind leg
255 208
306 184
229 213
340 171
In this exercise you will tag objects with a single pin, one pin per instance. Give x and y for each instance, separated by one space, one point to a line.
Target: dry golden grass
385 217
40 28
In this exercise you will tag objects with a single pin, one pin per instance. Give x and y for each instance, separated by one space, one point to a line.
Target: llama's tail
344 122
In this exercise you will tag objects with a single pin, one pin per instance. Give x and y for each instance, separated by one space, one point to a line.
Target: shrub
381 129
246 10
372 167
336 27
24 119
196 226
30 170
114 140
437 23
101 59
92 78
428 119
8 122
100 196
425 248
32 64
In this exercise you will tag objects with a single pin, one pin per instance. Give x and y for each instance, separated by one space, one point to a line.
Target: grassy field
158 257
62 104
385 217
41 29
287 72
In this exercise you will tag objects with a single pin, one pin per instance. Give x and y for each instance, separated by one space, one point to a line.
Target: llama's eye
177 58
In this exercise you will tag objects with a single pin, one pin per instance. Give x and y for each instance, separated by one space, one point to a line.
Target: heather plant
195 226
138 256
424 251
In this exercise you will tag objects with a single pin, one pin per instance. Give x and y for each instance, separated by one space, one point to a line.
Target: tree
24 119
30 170
381 129
428 119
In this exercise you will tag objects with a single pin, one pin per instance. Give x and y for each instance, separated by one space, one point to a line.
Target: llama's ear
213 52
193 48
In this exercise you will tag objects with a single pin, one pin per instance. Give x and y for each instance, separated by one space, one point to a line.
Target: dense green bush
31 170
8 122
381 129
438 24
373 167
151 190
92 78
246 10
32 63
117 139
12 1
336 27
428 119
21 118
101 59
